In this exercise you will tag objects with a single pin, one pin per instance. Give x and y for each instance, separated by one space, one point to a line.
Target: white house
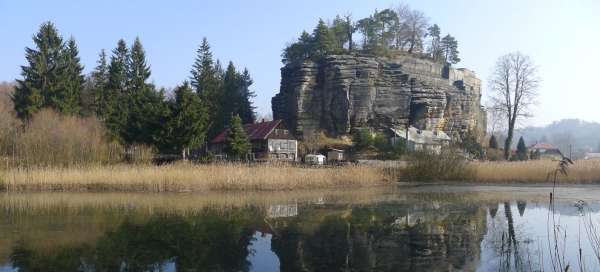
421 139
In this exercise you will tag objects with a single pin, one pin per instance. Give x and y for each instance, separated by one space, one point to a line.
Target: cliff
345 92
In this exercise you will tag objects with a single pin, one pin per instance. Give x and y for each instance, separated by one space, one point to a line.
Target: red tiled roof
542 146
256 131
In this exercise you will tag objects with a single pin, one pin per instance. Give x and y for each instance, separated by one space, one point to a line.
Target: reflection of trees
210 241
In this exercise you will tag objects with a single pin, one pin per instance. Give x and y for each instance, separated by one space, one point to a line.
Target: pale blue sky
562 37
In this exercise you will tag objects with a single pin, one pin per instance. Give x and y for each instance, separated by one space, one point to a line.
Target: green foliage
188 120
522 152
362 138
401 29
493 142
68 98
435 51
449 47
471 145
237 144
52 76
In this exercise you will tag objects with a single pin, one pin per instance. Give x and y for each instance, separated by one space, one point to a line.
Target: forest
399 29
118 97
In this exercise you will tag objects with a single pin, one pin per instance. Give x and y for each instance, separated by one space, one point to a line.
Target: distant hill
581 135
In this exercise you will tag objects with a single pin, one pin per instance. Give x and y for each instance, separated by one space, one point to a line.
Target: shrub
429 166
362 138
53 140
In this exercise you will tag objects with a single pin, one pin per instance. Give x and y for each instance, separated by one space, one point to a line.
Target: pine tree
493 142
145 105
42 74
298 51
204 77
434 49
522 150
323 41
67 99
188 120
237 144
449 47
246 111
114 108
99 80
229 101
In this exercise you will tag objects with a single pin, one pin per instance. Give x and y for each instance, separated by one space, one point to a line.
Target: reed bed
581 172
185 177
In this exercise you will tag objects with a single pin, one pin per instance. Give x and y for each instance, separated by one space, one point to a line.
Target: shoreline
230 177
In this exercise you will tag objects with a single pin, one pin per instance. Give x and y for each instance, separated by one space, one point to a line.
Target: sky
561 37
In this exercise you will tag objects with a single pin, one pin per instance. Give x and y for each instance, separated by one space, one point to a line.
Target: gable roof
255 131
542 146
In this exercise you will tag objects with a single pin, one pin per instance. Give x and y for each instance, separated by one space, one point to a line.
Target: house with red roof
270 140
544 151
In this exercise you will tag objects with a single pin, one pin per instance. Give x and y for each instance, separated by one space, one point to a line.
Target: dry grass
184 177
534 171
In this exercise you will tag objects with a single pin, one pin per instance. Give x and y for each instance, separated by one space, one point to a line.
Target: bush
53 140
429 166
362 138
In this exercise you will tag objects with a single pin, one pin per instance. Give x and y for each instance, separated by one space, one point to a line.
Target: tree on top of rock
449 47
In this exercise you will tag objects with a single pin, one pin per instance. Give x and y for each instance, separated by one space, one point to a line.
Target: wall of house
283 149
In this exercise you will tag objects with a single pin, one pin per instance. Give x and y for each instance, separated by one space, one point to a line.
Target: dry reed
534 171
184 177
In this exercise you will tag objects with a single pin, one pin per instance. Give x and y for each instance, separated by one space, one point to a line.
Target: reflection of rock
393 238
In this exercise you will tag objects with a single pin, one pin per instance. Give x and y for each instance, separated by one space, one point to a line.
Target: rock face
345 92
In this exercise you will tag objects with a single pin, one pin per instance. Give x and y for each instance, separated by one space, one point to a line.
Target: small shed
314 159
336 155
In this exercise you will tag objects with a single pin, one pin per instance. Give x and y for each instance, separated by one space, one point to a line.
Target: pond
404 228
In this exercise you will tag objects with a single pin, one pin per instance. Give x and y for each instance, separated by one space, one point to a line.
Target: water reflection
388 231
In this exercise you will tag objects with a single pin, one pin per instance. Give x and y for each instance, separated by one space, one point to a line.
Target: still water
407 228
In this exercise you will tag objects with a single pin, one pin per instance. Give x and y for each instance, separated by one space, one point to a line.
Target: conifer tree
99 78
246 111
145 105
204 77
237 144
188 120
493 142
522 150
67 99
114 109
323 40
449 47
229 100
41 75
434 49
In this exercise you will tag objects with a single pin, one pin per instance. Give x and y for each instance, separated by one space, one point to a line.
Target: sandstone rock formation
345 92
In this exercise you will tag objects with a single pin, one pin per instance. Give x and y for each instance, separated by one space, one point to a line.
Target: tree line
119 93
399 29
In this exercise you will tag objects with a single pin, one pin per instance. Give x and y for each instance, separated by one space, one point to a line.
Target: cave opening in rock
417 115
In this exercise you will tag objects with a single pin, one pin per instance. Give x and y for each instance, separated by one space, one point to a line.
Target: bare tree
417 25
513 87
